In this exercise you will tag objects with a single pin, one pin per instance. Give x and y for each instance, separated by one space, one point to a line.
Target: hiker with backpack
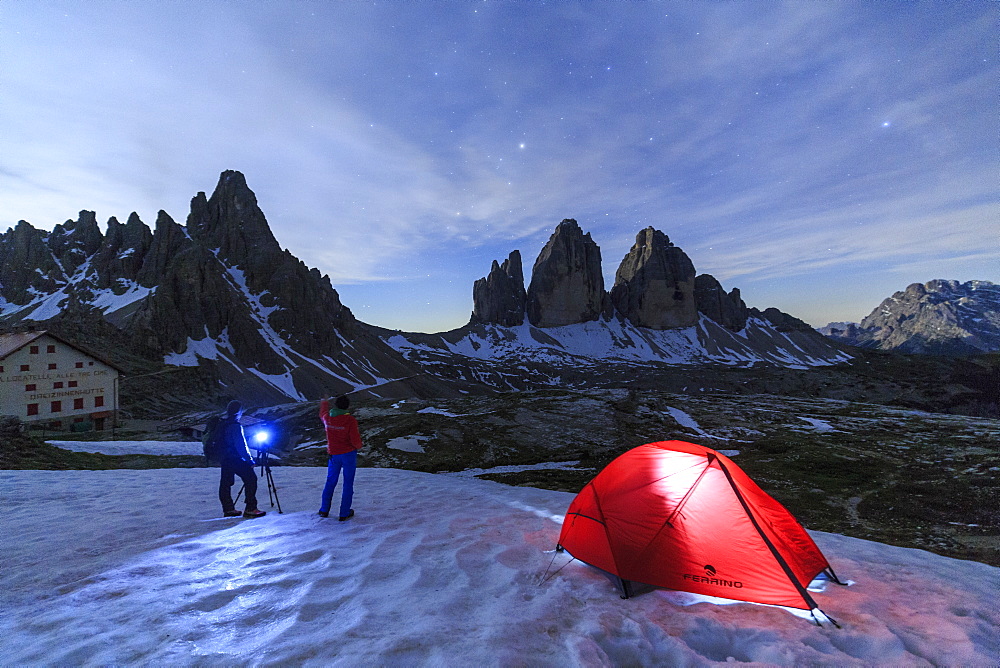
226 444
343 440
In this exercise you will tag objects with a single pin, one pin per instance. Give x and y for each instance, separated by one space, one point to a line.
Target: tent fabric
682 516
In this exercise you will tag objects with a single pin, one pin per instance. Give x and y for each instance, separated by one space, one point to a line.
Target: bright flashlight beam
261 436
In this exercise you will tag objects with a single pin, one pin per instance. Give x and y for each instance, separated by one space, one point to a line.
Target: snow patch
688 422
108 302
280 381
544 466
408 443
818 425
205 348
438 411
132 447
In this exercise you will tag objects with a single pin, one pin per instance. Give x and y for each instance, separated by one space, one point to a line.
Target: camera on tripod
262 440
264 445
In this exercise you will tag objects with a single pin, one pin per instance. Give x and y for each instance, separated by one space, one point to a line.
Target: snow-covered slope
137 567
605 343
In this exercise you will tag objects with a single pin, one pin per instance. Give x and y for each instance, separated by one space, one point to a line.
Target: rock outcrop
27 266
75 241
727 310
231 224
120 257
938 317
782 321
500 297
567 286
655 283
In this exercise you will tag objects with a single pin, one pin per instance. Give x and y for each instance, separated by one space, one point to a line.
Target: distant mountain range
938 317
564 328
220 298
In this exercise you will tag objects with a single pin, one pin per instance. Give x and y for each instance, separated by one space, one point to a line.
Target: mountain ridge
220 297
939 317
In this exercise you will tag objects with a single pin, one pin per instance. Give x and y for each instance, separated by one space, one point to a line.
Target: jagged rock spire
122 254
727 310
654 285
168 241
75 240
231 222
500 298
567 286
24 247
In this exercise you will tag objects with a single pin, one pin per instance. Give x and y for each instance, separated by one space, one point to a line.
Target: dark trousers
347 463
229 472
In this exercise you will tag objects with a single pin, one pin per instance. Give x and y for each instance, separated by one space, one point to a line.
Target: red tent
682 516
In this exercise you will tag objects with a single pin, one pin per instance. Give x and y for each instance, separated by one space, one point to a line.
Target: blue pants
349 463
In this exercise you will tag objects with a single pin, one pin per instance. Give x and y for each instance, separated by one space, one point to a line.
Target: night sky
817 155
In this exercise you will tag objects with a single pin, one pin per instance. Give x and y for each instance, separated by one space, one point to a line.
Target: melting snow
46 307
280 381
685 420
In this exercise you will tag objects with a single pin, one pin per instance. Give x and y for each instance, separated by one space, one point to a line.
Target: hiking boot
251 514
347 516
232 513
323 514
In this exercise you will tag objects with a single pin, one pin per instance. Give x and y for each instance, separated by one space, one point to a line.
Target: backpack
212 442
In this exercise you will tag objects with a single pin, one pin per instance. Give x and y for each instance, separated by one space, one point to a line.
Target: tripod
265 472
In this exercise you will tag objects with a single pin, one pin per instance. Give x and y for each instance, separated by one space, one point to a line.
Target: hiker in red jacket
343 440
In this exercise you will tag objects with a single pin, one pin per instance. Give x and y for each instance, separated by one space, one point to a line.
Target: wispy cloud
413 143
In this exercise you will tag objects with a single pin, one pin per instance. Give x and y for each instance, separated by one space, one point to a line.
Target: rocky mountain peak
169 240
567 286
500 297
937 317
220 295
726 309
135 232
655 283
75 240
21 247
942 317
232 222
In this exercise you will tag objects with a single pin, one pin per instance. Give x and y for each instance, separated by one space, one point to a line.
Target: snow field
132 447
126 567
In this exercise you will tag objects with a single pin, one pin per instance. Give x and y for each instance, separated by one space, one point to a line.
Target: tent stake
545 576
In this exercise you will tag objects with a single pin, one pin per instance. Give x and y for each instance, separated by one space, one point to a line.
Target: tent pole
829 569
767 541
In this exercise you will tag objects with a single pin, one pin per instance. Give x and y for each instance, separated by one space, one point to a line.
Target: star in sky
741 130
